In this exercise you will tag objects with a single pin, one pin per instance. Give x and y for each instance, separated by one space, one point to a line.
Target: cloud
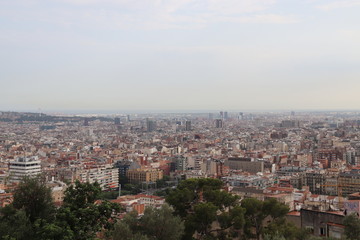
339 4
263 18
146 14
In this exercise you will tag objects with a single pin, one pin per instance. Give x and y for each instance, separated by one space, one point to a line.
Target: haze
179 54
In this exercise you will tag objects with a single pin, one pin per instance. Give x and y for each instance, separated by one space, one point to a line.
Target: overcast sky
179 54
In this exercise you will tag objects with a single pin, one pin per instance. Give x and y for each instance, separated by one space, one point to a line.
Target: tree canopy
352 226
34 197
207 210
32 214
155 224
81 215
257 211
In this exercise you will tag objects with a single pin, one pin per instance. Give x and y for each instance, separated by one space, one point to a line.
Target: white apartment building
24 167
106 176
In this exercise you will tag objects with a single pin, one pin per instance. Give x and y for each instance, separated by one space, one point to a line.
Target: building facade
24 167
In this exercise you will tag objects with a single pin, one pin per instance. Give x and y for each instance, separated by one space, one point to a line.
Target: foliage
281 227
208 211
275 236
159 224
162 193
14 224
200 209
122 231
257 211
161 183
352 227
80 213
123 180
34 197
132 188
33 215
108 195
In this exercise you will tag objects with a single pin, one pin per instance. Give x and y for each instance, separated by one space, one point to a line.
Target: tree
208 211
14 224
31 211
32 214
34 197
82 215
352 226
52 231
159 224
122 231
257 211
280 227
109 195
276 236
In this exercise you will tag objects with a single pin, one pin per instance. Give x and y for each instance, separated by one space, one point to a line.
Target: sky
114 55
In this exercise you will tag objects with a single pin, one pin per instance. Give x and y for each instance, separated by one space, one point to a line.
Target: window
322 231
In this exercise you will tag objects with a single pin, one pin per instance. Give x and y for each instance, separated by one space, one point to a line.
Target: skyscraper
226 116
188 125
86 122
117 121
150 125
218 123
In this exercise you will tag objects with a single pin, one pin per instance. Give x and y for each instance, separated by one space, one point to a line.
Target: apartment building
144 175
24 167
106 176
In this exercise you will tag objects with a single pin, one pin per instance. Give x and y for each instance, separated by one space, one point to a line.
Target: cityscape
308 161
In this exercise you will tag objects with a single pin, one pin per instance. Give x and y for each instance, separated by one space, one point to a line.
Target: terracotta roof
335 224
294 213
337 212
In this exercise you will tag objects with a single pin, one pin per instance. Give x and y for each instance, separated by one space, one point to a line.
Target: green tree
33 215
257 211
206 209
34 197
276 236
133 189
122 231
14 224
31 211
161 183
200 221
109 195
161 224
156 224
82 215
352 227
280 227
52 231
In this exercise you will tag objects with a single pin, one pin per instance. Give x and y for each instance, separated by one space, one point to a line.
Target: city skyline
190 55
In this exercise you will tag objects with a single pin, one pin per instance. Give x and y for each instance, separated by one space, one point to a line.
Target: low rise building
139 202
245 164
324 224
106 176
144 175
